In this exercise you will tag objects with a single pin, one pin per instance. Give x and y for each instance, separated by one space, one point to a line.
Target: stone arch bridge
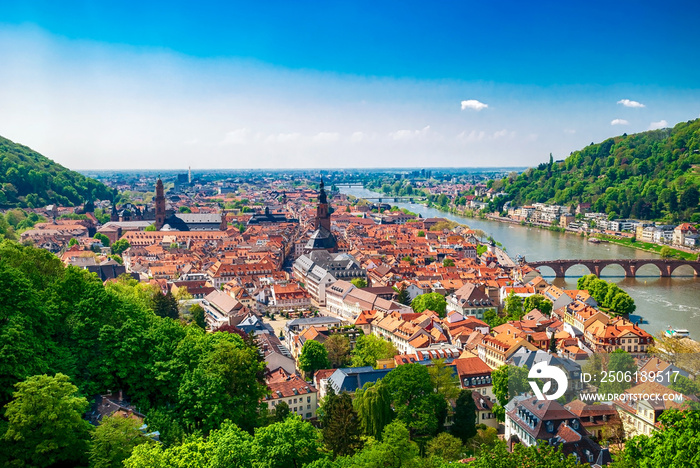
666 267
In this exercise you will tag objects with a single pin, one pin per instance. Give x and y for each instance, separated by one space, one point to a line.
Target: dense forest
30 180
652 175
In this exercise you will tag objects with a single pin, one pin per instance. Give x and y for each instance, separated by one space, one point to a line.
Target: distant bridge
666 267
395 199
349 185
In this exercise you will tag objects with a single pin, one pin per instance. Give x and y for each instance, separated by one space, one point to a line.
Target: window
308 406
308 399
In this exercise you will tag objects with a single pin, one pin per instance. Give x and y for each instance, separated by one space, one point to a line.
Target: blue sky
340 84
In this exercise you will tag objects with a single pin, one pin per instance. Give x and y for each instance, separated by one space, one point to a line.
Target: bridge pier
596 270
630 271
666 271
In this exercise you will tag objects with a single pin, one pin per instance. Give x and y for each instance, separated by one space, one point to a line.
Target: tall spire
160 204
322 198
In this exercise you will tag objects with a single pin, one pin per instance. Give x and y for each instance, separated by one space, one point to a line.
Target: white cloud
569 131
657 125
326 137
619 122
473 104
409 134
472 136
237 137
630 103
358 136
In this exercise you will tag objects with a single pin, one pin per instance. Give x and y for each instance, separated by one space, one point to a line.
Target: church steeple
323 212
160 205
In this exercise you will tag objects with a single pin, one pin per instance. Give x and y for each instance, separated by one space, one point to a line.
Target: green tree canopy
338 347
539 302
369 348
313 357
45 424
464 421
430 301
113 441
340 423
359 282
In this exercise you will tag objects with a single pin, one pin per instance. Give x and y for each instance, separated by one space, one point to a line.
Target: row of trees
607 295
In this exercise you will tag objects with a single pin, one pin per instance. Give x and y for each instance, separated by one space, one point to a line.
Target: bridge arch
614 269
695 268
575 265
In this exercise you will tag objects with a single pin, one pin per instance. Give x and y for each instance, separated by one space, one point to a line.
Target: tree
338 347
619 361
227 383
622 304
464 421
373 405
539 302
677 443
445 446
73 241
420 234
359 282
534 456
444 379
102 238
552 345
666 252
396 450
485 440
151 227
165 305
508 381
120 246
113 441
340 424
313 357
685 386
402 296
291 443
448 262
514 306
430 301
281 412
45 425
413 398
197 312
369 348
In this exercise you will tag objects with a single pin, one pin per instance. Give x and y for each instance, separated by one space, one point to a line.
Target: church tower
160 205
323 215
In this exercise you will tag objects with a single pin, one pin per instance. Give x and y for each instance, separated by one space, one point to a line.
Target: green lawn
650 247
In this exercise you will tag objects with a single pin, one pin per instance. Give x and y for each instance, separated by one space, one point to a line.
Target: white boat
677 333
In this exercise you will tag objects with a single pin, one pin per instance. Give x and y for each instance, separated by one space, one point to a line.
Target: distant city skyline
340 85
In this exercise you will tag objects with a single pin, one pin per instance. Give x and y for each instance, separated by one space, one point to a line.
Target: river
660 301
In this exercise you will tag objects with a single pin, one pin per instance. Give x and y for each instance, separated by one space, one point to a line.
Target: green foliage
28 179
313 357
113 441
448 262
197 312
369 348
414 400
649 175
539 302
514 306
619 361
402 296
165 305
421 233
151 227
430 301
509 381
184 209
120 246
102 238
685 386
359 282
444 379
281 412
539 456
56 319
73 242
341 424
666 252
45 425
445 446
464 421
396 450
338 347
607 295
677 443
291 443
373 406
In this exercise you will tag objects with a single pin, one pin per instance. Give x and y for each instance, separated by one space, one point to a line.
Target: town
299 266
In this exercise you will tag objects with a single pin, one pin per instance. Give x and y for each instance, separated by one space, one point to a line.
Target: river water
661 302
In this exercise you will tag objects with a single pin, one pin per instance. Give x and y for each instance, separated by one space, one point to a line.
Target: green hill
652 175
30 180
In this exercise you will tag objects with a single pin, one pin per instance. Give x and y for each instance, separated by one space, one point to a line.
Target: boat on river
677 333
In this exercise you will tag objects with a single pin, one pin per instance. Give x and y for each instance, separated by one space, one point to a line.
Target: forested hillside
30 180
649 175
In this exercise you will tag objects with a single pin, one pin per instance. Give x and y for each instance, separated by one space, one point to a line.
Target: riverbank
648 247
